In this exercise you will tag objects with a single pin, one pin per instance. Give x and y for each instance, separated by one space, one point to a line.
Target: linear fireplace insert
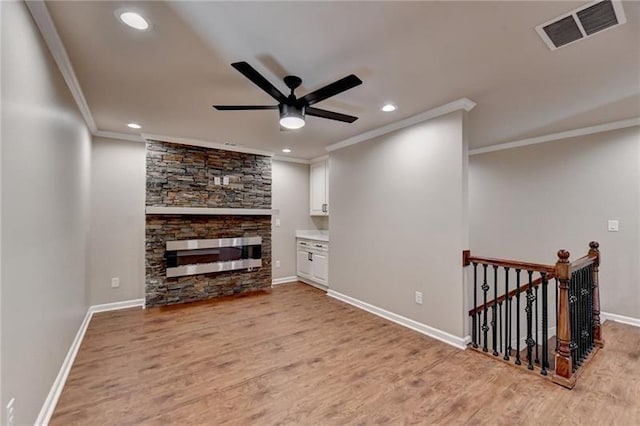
192 257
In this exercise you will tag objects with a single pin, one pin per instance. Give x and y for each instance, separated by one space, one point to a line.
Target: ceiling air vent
582 23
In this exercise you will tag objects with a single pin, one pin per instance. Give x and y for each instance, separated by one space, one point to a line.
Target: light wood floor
296 356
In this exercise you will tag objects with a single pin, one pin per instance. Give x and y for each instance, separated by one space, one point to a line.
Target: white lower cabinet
304 264
313 262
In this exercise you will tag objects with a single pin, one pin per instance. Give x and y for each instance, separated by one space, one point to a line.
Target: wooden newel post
597 331
564 364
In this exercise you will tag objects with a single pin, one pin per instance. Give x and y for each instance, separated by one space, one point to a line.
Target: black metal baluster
475 304
573 317
583 331
494 308
585 317
500 324
545 326
485 327
479 320
535 321
507 308
556 286
518 362
529 310
581 311
590 308
583 279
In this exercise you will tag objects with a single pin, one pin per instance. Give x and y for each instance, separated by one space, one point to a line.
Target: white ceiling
419 55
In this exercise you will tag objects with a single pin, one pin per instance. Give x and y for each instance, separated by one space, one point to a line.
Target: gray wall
528 202
290 196
117 218
398 222
45 199
116 246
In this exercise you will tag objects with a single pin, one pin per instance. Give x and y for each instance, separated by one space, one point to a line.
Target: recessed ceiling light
287 150
134 126
389 108
134 20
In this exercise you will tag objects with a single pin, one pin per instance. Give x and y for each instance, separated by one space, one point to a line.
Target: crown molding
291 159
205 144
321 158
120 136
460 104
47 28
614 125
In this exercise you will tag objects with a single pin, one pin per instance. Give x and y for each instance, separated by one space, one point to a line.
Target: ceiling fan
292 109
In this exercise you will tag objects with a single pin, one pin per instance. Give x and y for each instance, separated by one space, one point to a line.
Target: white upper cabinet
319 188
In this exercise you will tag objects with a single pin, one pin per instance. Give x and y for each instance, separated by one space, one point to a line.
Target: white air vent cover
581 23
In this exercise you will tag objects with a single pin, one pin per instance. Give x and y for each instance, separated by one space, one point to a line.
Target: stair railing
511 300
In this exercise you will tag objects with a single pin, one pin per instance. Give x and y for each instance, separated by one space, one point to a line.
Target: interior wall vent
582 23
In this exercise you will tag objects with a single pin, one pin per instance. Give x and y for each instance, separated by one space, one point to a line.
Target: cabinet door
304 264
320 267
317 189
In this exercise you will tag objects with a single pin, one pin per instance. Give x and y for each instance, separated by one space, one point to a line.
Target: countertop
313 235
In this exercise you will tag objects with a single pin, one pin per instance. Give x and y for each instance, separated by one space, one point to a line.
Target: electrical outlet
216 180
419 297
613 225
115 282
277 263
9 413
277 222
225 180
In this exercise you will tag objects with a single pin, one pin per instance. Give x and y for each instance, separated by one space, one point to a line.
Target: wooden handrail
535 283
515 264
583 261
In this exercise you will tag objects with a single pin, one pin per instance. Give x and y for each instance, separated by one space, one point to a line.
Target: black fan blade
329 90
316 112
257 78
243 107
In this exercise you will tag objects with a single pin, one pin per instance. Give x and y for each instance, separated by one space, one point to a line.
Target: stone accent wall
183 176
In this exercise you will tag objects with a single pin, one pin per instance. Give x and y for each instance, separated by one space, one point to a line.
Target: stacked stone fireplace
189 177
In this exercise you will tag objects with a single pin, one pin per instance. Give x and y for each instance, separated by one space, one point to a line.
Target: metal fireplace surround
193 257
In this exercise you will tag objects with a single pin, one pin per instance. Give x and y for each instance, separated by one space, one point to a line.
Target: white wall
528 202
290 195
116 244
398 222
45 199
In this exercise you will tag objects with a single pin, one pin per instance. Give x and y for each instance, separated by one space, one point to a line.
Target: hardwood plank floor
296 356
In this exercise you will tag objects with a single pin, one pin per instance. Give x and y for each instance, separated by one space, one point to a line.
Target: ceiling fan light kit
291 117
292 109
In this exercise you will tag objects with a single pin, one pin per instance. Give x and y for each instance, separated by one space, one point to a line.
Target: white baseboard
313 284
51 401
606 316
458 342
58 384
284 280
134 303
